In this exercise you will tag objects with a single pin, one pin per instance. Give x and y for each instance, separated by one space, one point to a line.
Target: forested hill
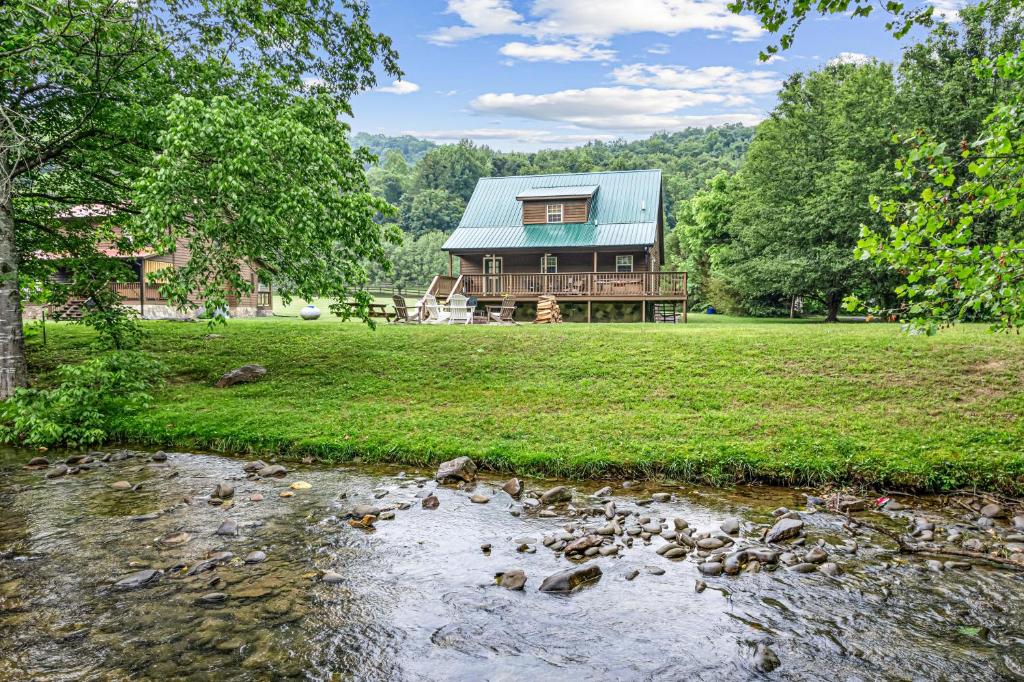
412 148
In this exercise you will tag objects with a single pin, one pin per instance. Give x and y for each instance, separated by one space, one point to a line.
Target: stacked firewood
547 310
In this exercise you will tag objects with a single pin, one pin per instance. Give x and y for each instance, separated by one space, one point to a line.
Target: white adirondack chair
459 310
435 313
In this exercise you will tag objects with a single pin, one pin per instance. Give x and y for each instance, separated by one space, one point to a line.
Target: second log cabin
587 238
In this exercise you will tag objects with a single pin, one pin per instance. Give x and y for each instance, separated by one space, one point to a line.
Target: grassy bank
716 400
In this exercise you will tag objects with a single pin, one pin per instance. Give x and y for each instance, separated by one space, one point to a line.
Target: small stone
851 504
680 524
174 539
273 470
159 456
58 471
513 487
957 565
256 497
661 497
607 550
386 516
300 485
121 485
458 469
804 567
784 529
287 493
223 491
430 502
710 543
479 499
711 568
331 577
511 580
603 492
485 548
993 511
361 510
571 579
974 545
934 565
632 574
675 553
138 579
556 495
256 557
213 598
816 555
765 660
609 510
1018 522
730 526
241 375
699 586
655 570
229 527
38 463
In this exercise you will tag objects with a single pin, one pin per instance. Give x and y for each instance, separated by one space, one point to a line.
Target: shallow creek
417 600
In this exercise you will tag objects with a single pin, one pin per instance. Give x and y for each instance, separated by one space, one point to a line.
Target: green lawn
716 400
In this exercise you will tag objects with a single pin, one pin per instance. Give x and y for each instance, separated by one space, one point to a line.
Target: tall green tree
702 229
430 210
86 102
453 167
803 192
414 262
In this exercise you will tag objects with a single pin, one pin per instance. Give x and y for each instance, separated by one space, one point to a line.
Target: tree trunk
832 302
13 367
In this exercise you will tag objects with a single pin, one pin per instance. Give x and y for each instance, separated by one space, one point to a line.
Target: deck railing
587 284
130 291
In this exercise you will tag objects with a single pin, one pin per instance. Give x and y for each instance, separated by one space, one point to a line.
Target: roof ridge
548 175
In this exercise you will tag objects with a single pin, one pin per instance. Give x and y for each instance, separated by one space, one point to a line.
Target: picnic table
380 310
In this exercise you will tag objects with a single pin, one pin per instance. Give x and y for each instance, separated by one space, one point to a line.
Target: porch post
450 264
589 304
142 288
684 310
643 310
595 261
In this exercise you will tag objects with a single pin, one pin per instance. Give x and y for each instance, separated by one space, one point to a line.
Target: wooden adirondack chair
503 315
403 314
459 310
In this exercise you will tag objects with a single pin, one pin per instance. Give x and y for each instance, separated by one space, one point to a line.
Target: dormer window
555 213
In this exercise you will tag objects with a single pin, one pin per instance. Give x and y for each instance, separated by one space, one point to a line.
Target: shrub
80 407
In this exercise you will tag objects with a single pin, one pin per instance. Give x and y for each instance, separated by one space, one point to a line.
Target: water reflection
416 599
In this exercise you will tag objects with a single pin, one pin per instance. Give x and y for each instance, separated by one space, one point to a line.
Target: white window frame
549 260
626 259
494 259
560 208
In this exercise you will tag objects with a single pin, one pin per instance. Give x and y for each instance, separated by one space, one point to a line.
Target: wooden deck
582 286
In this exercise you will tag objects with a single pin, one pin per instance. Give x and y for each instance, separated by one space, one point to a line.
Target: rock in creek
993 511
38 463
513 487
58 471
458 469
362 510
816 555
273 470
555 495
710 543
214 560
479 499
830 568
850 504
730 526
711 568
332 577
430 502
568 580
604 492
661 497
511 580
174 539
632 574
213 598
138 579
256 557
254 467
256 497
159 456
765 659
784 529
121 485
229 527
223 491
584 543
241 375
804 568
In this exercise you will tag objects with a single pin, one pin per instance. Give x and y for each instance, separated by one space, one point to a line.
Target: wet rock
361 510
993 511
699 586
513 487
511 580
58 471
569 580
711 568
675 553
763 555
604 492
121 485
780 512
38 463
485 548
710 543
957 565
680 524
223 491
816 555
174 539
159 456
765 660
386 515
479 499
256 557
1018 522
632 574
365 523
851 504
652 528
273 470
228 527
804 567
555 495
661 497
784 529
331 577
138 579
214 560
241 375
934 565
830 568
974 545
609 550
609 510
213 598
256 497
655 570
730 526
254 467
458 469
430 502
582 544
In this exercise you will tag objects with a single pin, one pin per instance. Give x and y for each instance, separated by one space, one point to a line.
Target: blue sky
527 74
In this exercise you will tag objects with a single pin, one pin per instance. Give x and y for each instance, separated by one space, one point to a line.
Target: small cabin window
549 264
624 263
554 213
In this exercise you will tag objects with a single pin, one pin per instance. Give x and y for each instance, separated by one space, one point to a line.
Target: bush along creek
121 564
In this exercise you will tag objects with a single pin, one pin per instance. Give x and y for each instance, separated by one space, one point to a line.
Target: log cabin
590 239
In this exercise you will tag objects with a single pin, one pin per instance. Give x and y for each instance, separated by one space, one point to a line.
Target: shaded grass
718 400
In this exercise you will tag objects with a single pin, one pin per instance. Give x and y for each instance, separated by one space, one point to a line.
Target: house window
549 264
624 263
155 271
554 213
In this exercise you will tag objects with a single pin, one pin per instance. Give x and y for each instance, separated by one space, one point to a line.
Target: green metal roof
547 192
623 212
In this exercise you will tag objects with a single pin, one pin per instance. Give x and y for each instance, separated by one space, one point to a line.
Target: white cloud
658 48
520 136
715 79
447 93
947 10
594 20
615 108
772 59
557 52
398 88
850 58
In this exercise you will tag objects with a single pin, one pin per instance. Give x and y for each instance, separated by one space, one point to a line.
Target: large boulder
569 580
243 374
458 469
555 495
784 529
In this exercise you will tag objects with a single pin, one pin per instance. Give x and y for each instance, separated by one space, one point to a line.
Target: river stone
241 375
661 497
609 510
223 491
555 495
256 497
632 574
974 545
174 539
1018 522
830 568
584 543
511 580
479 499
607 550
138 579
228 527
711 568
273 470
804 567
765 659
993 511
121 485
430 502
604 492
211 562
256 557
816 555
680 524
332 577
38 463
730 526
765 556
784 529
570 579
675 553
58 471
159 456
458 469
213 598
362 510
254 467
851 504
386 515
513 487
710 543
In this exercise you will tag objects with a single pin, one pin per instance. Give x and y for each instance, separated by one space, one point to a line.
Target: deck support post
449 263
643 310
589 305
684 310
142 288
